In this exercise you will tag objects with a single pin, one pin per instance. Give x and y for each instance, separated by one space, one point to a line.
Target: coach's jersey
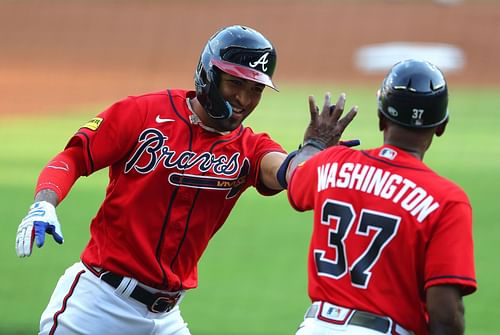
386 228
171 186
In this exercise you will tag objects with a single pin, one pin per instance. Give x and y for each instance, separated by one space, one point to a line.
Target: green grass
253 274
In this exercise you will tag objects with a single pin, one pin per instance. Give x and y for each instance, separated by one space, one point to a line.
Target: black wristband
281 173
315 143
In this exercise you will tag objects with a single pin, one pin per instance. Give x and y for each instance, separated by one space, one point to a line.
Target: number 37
384 225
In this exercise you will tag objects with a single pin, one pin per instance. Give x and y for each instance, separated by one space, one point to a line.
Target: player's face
243 96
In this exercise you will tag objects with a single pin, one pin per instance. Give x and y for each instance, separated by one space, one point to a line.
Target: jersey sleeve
108 137
300 195
61 172
450 255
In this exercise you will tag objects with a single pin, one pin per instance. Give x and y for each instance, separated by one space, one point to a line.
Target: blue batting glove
41 219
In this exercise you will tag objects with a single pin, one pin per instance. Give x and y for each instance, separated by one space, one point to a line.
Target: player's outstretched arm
54 183
41 219
269 166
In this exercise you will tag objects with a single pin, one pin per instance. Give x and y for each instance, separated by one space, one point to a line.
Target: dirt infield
60 54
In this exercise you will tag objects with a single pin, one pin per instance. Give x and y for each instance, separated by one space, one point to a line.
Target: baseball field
253 274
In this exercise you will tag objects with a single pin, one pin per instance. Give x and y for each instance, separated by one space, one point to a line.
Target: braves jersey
171 186
386 227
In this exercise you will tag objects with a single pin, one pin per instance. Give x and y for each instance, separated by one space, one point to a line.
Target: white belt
338 315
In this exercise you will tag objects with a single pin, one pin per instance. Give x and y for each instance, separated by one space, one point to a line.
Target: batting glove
41 219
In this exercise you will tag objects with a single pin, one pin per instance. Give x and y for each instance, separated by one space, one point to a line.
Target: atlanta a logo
262 61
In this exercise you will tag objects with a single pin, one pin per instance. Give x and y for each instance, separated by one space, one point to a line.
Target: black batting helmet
239 51
414 94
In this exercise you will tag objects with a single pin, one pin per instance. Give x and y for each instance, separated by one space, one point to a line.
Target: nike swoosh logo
162 120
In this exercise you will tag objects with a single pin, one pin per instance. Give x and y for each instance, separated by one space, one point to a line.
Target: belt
327 312
156 302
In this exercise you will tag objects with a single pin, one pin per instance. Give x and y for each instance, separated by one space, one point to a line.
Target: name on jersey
152 151
378 182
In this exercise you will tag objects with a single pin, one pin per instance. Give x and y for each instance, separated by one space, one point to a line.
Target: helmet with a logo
239 51
414 94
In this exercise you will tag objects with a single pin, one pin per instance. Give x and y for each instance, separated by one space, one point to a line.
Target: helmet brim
244 72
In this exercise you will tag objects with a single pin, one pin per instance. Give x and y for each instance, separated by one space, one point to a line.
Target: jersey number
384 225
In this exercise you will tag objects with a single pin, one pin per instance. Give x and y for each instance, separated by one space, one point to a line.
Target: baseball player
391 250
178 161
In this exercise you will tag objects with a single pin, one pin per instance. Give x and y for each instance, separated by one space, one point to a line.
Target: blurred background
62 62
60 53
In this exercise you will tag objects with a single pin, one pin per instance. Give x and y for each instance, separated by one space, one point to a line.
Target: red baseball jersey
171 186
386 227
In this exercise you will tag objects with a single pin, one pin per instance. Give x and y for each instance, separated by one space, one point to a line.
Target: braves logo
262 61
152 152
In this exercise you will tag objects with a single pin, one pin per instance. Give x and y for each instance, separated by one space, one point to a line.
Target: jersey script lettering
152 147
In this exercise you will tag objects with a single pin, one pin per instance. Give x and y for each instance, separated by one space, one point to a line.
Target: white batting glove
41 219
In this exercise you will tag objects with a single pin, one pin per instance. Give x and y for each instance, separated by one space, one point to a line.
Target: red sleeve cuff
466 285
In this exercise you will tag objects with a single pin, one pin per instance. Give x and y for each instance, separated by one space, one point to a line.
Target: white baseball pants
84 304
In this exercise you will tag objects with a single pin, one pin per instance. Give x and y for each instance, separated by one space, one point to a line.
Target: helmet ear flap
208 94
219 107
200 76
214 76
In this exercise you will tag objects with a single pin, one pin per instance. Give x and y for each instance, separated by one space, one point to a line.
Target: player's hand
326 127
41 219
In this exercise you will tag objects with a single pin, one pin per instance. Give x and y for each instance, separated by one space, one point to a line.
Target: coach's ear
441 128
382 124
381 118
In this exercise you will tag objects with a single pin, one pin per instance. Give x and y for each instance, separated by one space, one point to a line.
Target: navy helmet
414 94
239 51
